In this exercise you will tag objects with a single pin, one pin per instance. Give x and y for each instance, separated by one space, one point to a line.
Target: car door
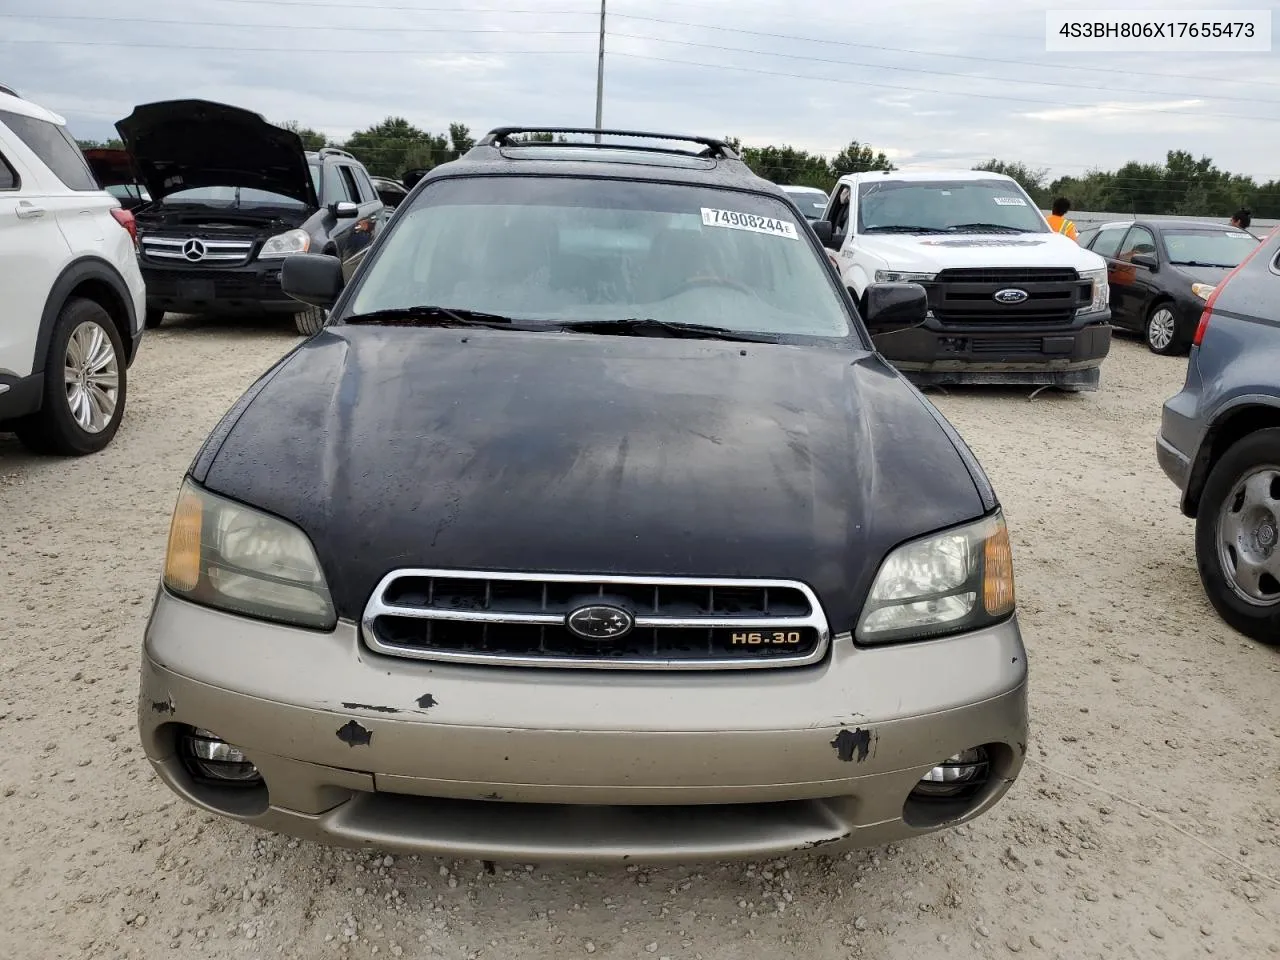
372 210
33 252
340 188
1105 242
352 235
1131 294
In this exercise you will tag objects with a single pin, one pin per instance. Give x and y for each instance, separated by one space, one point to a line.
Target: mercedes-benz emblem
1010 295
194 250
600 622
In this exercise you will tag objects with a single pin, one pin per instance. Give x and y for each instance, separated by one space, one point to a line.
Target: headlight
948 582
1202 290
284 244
225 555
899 276
1101 290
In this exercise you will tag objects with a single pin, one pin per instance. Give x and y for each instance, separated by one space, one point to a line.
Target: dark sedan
1161 273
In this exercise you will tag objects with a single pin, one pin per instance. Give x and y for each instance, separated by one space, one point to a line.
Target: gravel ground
1146 822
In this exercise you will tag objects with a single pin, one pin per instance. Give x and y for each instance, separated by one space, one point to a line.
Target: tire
1161 330
310 321
1238 530
85 385
154 318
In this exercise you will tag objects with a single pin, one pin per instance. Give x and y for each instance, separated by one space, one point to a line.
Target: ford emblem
599 622
1010 295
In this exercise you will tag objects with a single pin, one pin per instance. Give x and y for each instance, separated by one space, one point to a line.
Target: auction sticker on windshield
735 220
1010 201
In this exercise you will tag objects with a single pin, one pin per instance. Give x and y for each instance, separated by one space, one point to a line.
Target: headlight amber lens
997 573
182 562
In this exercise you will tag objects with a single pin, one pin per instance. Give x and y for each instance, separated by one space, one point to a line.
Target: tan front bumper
527 763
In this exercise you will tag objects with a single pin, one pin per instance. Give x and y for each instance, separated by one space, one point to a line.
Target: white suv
74 300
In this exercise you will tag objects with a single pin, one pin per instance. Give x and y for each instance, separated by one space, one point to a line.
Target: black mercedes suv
230 197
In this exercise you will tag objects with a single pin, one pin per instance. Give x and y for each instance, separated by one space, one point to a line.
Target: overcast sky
930 82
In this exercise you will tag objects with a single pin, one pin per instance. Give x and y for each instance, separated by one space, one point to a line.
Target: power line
378 50
940 73
932 53
281 26
890 86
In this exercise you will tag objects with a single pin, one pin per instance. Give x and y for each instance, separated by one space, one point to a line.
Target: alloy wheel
1160 329
92 376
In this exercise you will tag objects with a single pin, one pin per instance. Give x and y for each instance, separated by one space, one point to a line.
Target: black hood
1214 275
181 144
395 447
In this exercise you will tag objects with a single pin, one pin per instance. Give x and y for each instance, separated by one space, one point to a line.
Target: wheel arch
1232 426
93 279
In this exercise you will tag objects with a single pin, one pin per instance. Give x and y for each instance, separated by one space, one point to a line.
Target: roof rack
502 137
334 152
5 88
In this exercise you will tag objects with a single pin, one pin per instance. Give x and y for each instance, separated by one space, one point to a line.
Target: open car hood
182 144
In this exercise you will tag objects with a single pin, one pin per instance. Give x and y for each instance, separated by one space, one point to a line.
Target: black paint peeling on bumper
852 745
354 735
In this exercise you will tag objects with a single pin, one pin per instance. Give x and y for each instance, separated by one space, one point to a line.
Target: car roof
25 108
1166 223
714 163
972 175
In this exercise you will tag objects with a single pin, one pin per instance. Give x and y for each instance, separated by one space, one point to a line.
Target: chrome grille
178 249
513 619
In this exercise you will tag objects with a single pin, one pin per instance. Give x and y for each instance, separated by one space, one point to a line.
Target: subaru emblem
1011 295
600 622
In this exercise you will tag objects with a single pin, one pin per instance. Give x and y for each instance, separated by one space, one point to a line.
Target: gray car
1220 443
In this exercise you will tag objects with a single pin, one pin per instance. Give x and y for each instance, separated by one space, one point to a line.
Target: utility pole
600 77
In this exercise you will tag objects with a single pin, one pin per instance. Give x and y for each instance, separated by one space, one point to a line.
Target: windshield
1222 247
558 249
811 201
128 191
238 198
946 206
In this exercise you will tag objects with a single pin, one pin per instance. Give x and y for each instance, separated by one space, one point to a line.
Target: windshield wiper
1200 263
981 227
648 327
902 228
432 315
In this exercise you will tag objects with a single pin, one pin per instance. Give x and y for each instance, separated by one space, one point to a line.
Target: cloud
929 82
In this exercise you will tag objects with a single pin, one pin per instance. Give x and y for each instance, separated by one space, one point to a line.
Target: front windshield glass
946 206
1223 247
240 198
558 249
811 201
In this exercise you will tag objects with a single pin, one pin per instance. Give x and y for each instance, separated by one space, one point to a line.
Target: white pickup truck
1010 300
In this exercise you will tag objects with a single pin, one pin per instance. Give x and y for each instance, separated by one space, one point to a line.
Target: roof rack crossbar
335 152
502 137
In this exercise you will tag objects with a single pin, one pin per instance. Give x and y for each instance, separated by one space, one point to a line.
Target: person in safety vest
1058 219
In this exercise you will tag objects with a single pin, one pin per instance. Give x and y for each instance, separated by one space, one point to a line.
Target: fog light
212 758
964 773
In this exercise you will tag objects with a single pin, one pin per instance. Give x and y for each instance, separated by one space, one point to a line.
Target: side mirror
344 209
313 278
824 231
1148 260
891 307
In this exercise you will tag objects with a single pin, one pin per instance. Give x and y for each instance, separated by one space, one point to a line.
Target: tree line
1182 185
